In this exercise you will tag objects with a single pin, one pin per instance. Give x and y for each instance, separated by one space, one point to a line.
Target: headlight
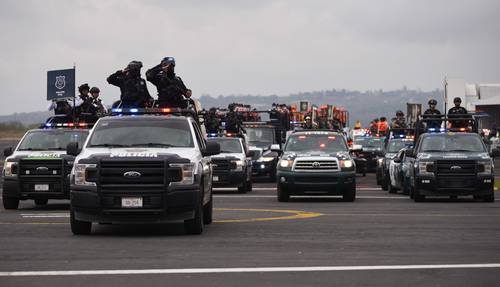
346 164
380 161
10 168
266 159
284 163
188 170
485 167
239 165
80 172
426 168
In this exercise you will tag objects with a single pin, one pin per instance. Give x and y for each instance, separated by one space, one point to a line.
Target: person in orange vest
357 125
382 126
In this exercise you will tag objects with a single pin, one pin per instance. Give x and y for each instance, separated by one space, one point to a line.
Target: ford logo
42 168
455 167
132 174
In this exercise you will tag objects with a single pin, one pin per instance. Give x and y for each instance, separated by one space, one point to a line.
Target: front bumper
231 178
429 185
329 183
14 188
172 206
262 168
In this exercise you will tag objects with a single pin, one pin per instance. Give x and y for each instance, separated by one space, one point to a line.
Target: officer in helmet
399 121
458 112
308 123
134 92
85 109
212 123
432 113
100 107
171 89
233 121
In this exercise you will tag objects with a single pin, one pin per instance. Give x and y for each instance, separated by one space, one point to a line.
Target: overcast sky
248 47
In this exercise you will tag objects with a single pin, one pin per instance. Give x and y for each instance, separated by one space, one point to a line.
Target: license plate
41 187
216 178
131 202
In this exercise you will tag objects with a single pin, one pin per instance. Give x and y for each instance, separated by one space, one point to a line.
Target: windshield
397 145
321 143
52 140
260 137
452 142
369 142
148 133
228 146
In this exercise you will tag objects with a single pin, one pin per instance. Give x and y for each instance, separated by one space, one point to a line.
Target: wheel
417 197
10 202
242 188
391 188
364 172
79 227
195 225
350 195
283 195
406 188
272 176
384 183
208 211
41 201
489 198
249 186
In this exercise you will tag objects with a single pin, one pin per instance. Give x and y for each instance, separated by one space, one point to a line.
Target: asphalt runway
379 240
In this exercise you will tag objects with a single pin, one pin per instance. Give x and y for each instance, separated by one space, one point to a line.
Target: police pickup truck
393 145
232 167
265 147
316 163
143 166
38 167
447 163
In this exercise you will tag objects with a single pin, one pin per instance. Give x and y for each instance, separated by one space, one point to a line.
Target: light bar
125 111
65 125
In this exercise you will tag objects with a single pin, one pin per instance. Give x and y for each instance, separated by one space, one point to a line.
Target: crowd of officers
134 93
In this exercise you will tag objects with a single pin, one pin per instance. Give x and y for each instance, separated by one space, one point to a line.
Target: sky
248 47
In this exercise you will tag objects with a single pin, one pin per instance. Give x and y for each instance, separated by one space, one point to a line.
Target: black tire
249 186
489 198
242 188
391 189
384 184
350 195
208 211
41 201
195 226
283 195
272 176
79 227
406 188
417 197
10 202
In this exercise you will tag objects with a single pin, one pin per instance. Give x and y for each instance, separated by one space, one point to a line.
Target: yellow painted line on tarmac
292 214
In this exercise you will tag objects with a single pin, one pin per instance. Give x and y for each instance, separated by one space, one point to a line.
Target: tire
195 226
242 188
10 202
417 197
249 186
41 201
283 195
350 195
406 188
489 198
384 184
79 227
391 189
208 211
272 176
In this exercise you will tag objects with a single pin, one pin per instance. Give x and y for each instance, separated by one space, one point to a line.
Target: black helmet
95 90
83 87
457 100
134 65
432 102
400 113
168 60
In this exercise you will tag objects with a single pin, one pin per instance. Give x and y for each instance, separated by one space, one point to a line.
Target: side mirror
72 149
396 160
251 153
409 152
213 148
275 147
8 152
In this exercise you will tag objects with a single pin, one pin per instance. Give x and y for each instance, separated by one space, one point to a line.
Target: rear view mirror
409 152
213 148
7 152
72 149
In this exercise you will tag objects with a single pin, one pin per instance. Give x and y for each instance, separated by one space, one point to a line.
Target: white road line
247 270
274 188
45 215
317 196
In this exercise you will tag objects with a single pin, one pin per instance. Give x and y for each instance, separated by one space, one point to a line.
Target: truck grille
221 164
456 173
150 185
42 171
319 165
257 154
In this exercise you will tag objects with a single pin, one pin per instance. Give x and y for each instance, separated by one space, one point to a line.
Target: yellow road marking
293 214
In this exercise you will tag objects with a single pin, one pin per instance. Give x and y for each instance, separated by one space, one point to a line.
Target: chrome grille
316 165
